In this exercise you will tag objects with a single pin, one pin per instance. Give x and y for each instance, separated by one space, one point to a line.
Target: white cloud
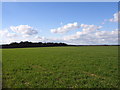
72 26
90 28
6 33
116 17
91 34
38 38
17 34
86 29
25 30
66 28
3 32
7 36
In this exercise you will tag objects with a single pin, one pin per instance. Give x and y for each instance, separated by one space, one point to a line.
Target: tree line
40 44
31 44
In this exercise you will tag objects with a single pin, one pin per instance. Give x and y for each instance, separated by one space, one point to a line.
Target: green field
61 67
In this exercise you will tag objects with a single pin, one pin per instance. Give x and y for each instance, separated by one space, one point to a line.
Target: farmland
60 67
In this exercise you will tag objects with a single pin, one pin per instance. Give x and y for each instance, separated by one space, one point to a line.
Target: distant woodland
40 44
31 44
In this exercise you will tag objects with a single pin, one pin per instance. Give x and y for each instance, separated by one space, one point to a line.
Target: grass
61 67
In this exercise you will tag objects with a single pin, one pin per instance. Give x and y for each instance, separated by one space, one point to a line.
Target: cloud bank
66 28
91 34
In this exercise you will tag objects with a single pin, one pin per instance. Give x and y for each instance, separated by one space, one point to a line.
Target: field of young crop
61 67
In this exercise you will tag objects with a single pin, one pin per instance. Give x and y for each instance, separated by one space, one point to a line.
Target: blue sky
51 15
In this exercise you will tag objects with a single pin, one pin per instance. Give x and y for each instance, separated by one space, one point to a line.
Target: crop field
60 67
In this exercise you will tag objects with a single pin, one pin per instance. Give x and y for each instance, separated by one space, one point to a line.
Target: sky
78 23
60 0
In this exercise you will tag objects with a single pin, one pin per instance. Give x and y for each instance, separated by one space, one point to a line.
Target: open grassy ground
61 67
